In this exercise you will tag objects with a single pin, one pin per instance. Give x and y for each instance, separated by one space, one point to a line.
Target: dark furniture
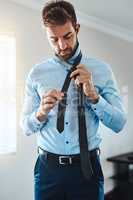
123 179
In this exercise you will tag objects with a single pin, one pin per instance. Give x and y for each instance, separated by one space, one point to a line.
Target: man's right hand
48 101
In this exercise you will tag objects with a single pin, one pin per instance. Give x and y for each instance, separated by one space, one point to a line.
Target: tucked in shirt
50 74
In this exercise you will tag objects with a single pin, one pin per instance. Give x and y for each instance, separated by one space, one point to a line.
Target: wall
16 170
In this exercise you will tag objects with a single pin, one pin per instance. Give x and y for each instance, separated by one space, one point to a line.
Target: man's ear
77 28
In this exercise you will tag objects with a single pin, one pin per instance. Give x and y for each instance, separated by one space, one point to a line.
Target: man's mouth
65 52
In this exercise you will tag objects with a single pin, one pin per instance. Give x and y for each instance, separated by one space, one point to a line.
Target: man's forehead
60 30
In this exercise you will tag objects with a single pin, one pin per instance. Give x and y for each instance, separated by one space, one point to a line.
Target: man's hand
48 101
82 75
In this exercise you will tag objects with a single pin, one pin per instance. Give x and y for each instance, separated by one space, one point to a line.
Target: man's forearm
111 116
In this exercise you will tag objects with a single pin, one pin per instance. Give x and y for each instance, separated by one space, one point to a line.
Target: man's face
63 38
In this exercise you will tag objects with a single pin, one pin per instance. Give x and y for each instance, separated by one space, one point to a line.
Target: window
7 94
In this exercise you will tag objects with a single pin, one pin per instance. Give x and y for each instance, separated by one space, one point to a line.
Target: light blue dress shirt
50 74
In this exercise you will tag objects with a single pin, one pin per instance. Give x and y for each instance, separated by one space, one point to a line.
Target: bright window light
7 94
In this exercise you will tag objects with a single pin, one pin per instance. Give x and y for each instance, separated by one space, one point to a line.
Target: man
58 173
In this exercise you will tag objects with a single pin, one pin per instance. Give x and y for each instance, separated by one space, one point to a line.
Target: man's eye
68 37
54 40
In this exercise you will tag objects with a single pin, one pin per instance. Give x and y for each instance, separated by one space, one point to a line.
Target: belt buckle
63 163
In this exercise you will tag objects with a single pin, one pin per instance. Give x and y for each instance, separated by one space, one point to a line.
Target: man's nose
62 44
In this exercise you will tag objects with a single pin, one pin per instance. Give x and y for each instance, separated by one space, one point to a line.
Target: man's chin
65 57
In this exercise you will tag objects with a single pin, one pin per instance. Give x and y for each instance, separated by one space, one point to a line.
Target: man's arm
29 122
36 109
109 107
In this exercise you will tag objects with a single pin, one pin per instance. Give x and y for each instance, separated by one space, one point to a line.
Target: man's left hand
82 76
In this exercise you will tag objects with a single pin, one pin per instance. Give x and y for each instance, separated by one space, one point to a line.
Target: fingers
83 78
82 67
78 81
49 100
81 70
45 108
54 94
74 74
81 75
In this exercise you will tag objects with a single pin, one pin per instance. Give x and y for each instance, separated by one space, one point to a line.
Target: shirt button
94 108
67 142
66 123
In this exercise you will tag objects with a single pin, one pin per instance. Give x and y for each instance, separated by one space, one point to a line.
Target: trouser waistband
66 159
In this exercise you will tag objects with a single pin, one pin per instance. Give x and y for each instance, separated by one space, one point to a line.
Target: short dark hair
58 13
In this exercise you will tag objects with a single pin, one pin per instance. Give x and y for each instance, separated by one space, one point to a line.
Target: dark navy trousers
59 182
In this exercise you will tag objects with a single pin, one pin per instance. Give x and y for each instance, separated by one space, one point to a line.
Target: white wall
16 170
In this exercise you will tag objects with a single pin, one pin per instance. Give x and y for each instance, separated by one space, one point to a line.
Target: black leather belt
65 159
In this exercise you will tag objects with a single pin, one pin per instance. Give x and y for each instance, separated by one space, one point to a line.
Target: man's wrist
94 98
41 116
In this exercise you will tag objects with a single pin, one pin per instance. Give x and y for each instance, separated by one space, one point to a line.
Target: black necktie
84 153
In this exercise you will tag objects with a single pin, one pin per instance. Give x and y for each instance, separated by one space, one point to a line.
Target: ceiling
116 13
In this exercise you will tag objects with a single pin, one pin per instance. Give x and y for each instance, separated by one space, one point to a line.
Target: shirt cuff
99 107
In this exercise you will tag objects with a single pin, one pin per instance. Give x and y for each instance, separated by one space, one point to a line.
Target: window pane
7 94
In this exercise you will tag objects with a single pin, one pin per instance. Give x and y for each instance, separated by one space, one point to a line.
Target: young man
58 173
